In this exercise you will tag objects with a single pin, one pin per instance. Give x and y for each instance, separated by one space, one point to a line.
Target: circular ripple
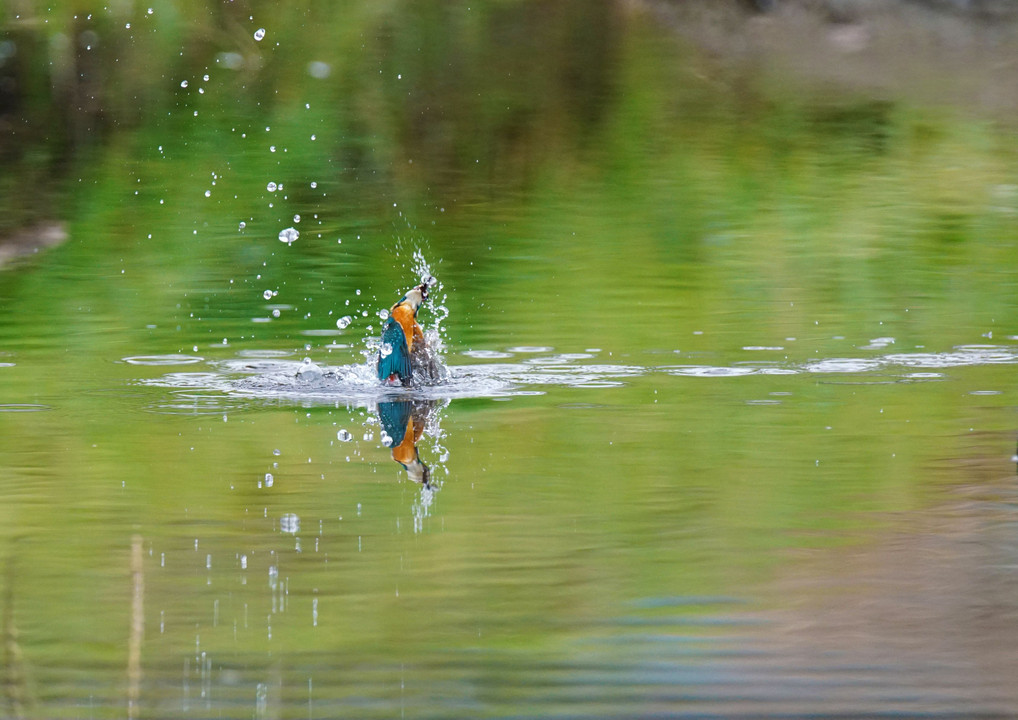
22 407
163 359
487 354
530 349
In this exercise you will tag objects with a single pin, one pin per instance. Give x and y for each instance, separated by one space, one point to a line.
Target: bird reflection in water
403 422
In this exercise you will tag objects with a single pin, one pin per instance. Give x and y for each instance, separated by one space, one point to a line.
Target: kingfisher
402 338
403 421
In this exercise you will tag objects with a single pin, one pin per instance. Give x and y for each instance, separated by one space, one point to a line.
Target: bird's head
415 297
418 471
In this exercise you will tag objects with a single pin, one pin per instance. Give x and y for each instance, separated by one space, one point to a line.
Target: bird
402 338
404 421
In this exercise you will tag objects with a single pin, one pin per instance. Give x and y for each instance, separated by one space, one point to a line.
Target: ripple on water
487 354
273 378
842 365
22 407
530 349
270 374
924 376
960 356
264 354
708 370
163 359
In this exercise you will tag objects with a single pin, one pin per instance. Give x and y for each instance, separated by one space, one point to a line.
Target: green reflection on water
623 197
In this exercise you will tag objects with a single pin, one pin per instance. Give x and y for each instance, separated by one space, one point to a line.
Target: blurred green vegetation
667 165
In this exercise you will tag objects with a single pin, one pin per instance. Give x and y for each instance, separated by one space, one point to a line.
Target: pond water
728 423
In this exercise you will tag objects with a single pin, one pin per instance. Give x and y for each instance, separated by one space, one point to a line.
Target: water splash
429 361
435 304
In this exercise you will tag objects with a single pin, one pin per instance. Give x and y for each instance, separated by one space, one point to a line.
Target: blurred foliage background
753 158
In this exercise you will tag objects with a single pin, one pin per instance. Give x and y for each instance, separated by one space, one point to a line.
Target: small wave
709 370
163 360
269 378
274 375
22 407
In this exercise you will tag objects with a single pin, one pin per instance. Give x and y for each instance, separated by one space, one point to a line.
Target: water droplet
275 313
205 78
268 479
289 523
383 314
259 34
243 562
313 185
271 187
385 350
267 294
208 193
344 322
289 235
319 70
296 218
183 83
387 442
242 225
344 436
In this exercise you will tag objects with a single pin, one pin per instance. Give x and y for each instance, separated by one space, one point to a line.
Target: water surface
728 427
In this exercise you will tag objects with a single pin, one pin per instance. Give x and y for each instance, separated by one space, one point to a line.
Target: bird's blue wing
394 417
396 362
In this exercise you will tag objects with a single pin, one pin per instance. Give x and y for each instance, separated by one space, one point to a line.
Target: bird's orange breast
411 330
406 451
